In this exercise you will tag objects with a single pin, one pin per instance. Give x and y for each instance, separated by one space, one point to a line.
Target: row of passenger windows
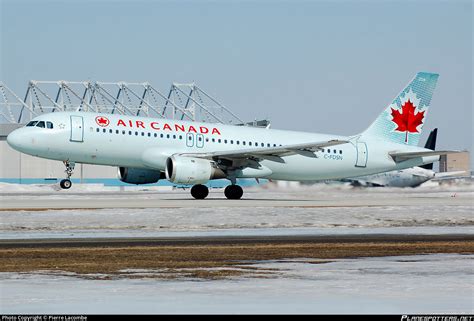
42 124
200 138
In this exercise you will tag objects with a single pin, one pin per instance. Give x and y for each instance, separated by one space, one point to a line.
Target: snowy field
397 285
436 210
439 283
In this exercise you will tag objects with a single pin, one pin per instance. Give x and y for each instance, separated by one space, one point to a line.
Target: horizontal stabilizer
448 175
402 156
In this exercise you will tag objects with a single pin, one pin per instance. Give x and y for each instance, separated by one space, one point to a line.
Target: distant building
455 162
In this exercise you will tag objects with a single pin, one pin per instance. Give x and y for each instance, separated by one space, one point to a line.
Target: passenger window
123 132
219 140
340 151
231 141
143 133
104 130
97 130
237 142
136 133
129 132
32 123
40 124
225 141
117 131
161 136
155 134
335 152
110 131
243 143
49 125
180 137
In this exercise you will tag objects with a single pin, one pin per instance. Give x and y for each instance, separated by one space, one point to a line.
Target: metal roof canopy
183 101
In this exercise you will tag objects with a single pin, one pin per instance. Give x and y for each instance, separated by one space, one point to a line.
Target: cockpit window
40 124
49 125
32 123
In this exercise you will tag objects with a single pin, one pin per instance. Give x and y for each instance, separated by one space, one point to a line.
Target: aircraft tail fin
402 121
431 144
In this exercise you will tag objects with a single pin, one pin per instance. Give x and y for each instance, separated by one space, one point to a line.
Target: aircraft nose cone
15 139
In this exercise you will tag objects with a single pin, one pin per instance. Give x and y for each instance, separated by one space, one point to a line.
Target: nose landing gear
66 183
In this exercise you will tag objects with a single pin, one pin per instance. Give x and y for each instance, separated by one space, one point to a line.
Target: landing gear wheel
233 192
65 184
199 191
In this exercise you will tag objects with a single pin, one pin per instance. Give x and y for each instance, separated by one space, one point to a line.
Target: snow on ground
147 222
439 283
397 285
264 220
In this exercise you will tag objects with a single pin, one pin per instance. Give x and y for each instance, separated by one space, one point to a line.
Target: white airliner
410 177
147 149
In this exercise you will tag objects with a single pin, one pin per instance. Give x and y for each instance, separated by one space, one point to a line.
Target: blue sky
320 66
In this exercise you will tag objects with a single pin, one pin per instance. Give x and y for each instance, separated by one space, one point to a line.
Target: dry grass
204 262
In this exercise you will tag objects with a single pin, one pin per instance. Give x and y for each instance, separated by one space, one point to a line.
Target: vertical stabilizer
431 144
402 121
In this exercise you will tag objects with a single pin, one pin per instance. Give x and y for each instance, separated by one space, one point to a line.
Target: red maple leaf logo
406 120
102 121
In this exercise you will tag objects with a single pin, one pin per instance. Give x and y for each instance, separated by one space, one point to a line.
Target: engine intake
189 170
139 175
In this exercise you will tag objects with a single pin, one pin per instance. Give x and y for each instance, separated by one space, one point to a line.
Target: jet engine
138 175
189 170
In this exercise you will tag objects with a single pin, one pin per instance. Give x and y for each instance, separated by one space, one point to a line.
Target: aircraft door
190 139
361 154
77 129
199 140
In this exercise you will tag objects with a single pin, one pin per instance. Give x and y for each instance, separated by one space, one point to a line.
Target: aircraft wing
270 153
402 156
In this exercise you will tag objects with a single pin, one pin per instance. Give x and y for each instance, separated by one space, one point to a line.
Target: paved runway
232 240
64 200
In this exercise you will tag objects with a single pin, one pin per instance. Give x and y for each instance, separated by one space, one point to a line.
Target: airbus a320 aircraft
146 149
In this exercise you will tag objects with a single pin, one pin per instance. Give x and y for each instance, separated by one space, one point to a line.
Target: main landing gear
66 183
232 192
199 191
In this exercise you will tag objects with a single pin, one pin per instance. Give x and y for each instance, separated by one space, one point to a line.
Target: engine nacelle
189 170
139 175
